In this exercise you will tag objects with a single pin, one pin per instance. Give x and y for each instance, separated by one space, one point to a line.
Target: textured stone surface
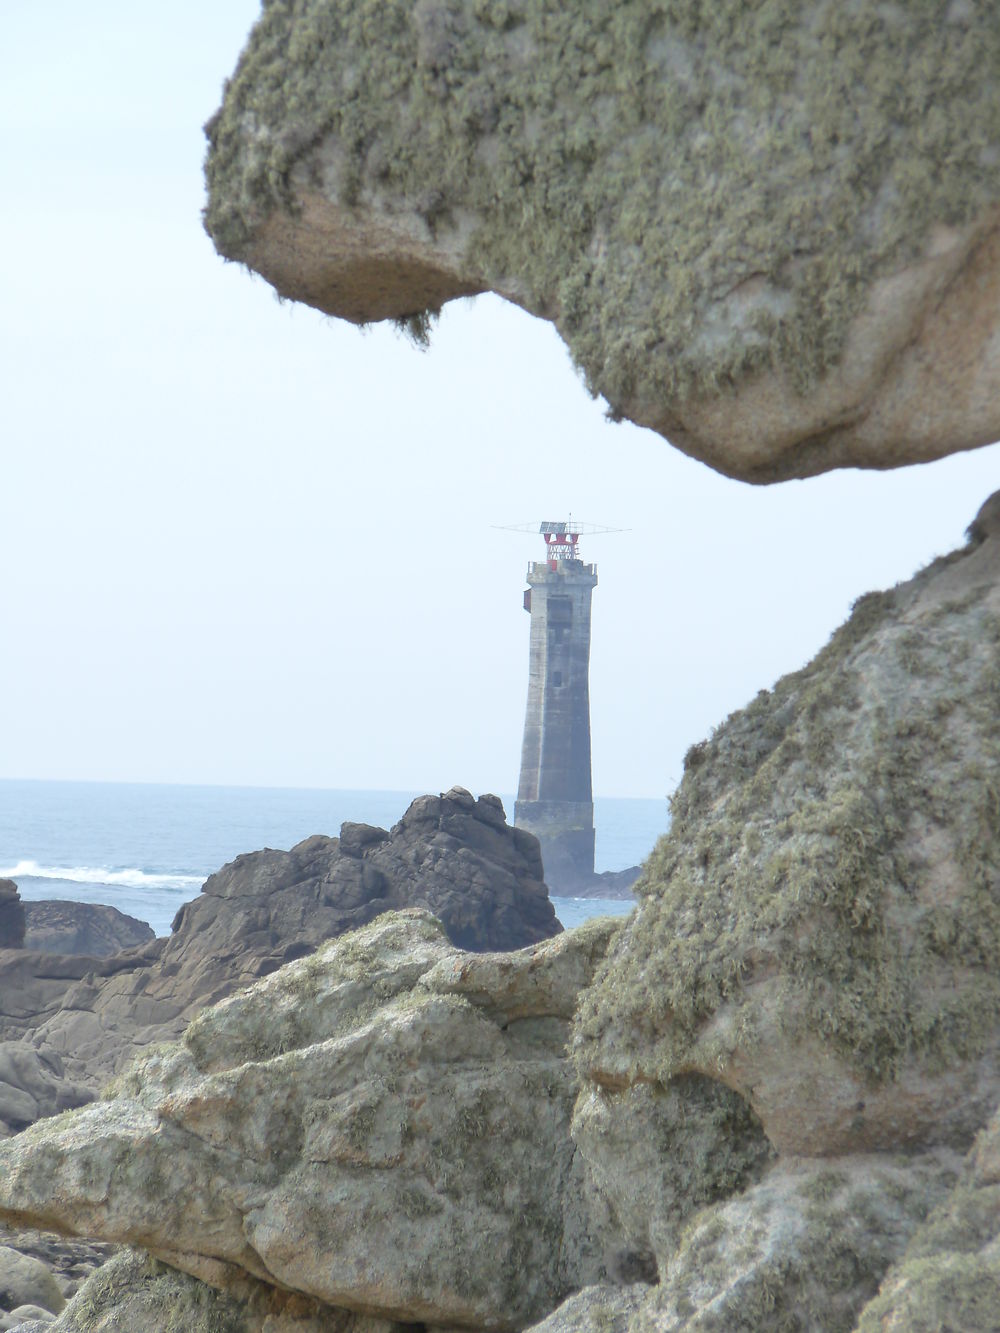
70 1262
949 1276
820 930
769 232
659 1154
803 1248
32 1085
452 854
26 1281
136 1294
382 1127
54 926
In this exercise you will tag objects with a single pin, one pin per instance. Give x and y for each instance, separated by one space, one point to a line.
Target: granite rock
820 930
949 1275
11 916
803 1248
770 233
382 1127
453 855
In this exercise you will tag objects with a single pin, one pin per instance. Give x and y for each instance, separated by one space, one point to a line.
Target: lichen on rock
949 1275
704 198
820 929
344 1132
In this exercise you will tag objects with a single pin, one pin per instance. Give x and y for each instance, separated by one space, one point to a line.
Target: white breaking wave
130 879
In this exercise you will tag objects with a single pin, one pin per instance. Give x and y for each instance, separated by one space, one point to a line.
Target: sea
147 848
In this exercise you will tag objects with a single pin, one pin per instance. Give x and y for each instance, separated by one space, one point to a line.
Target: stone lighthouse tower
554 797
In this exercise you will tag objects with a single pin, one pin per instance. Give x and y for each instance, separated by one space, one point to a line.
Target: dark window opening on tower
557 678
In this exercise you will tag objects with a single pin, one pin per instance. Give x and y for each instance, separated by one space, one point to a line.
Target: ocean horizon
147 848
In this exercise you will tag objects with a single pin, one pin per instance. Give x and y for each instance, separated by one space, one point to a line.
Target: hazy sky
248 544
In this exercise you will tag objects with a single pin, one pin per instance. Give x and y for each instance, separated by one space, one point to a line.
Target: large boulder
804 1248
134 1293
820 929
770 233
382 1127
949 1275
25 1280
451 854
55 926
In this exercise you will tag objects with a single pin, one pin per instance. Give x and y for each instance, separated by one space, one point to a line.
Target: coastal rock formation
54 926
949 1276
11 916
452 854
381 1128
33 1085
771 234
134 1293
70 1262
26 1281
820 929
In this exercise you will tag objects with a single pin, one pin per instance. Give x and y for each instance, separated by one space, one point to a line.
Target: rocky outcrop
11 916
69 1262
54 926
949 1276
138 1294
820 930
787 1059
770 234
804 1248
381 1128
25 1281
33 1085
451 854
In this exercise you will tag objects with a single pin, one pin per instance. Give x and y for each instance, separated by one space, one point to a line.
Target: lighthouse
555 798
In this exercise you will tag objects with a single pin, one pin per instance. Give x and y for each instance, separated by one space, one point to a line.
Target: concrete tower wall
555 797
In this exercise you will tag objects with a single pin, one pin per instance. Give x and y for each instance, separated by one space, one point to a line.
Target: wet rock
770 234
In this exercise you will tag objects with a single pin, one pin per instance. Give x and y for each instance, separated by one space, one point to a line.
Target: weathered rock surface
820 930
32 1085
772 234
136 1294
452 854
949 1276
70 1262
26 1281
382 1127
11 916
54 926
804 1248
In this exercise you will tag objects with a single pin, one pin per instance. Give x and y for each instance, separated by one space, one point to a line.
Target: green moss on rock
833 861
630 167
